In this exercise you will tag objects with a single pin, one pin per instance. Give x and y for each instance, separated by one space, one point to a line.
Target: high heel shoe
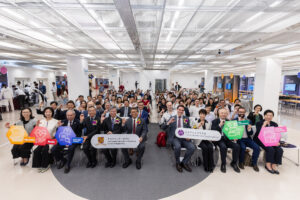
271 171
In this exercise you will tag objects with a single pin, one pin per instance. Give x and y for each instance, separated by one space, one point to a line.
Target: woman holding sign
206 146
273 153
24 150
41 155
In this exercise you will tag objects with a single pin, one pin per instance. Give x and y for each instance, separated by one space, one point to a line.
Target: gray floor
157 179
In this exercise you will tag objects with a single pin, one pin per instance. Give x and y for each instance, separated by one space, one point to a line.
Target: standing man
7 93
180 121
136 85
111 86
20 95
135 125
54 91
111 125
92 123
57 150
177 87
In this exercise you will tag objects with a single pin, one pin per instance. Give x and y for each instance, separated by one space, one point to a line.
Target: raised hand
59 123
81 117
38 123
7 125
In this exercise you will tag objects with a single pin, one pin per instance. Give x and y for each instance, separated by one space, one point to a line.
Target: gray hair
113 107
71 111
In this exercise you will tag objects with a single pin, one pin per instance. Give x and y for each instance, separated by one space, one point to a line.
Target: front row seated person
247 141
224 143
135 125
92 124
180 121
57 150
273 154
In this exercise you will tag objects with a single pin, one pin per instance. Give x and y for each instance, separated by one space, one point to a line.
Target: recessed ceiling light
254 16
87 55
276 3
12 55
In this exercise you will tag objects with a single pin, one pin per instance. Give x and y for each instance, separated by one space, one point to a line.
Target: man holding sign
246 141
135 125
225 143
57 150
180 121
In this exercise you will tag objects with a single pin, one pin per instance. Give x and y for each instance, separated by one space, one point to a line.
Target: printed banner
269 136
243 123
16 134
29 139
51 141
232 130
64 135
41 135
115 141
198 134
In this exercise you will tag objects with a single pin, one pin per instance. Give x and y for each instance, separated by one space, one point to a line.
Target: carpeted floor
157 179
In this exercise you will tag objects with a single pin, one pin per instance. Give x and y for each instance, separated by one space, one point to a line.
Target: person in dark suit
180 121
142 113
246 141
54 105
186 110
92 123
70 106
255 116
111 125
177 87
273 154
125 110
57 150
92 104
135 125
224 143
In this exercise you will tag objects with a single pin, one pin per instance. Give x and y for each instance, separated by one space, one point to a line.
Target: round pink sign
3 70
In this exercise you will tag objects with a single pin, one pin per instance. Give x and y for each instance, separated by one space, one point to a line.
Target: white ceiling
191 35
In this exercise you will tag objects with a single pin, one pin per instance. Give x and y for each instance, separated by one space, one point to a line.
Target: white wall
187 80
128 79
32 75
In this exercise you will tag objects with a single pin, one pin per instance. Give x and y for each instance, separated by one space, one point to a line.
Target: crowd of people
119 112
182 108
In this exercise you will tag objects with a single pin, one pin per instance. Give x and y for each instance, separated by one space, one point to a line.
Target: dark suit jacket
122 111
91 129
187 112
251 117
215 126
140 129
107 125
145 116
75 126
86 114
173 126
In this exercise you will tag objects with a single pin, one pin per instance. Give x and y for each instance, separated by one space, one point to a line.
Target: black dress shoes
223 168
67 169
138 165
94 164
179 168
126 164
271 171
107 164
186 167
255 167
113 164
235 167
276 172
61 164
88 165
241 166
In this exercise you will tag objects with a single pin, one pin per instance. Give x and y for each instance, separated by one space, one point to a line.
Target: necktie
126 111
112 124
179 122
133 131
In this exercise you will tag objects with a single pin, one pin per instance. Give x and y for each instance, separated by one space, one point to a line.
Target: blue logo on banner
64 135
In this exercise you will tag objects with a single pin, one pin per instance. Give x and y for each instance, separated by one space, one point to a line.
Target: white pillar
209 80
77 73
267 84
114 75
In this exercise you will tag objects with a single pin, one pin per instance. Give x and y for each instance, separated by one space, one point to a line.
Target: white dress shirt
167 116
51 126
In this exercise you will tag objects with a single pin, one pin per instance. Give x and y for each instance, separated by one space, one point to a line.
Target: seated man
142 113
247 141
93 126
111 125
57 150
180 121
224 143
135 125
125 110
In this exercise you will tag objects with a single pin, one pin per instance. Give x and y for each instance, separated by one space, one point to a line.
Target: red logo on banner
52 141
41 135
